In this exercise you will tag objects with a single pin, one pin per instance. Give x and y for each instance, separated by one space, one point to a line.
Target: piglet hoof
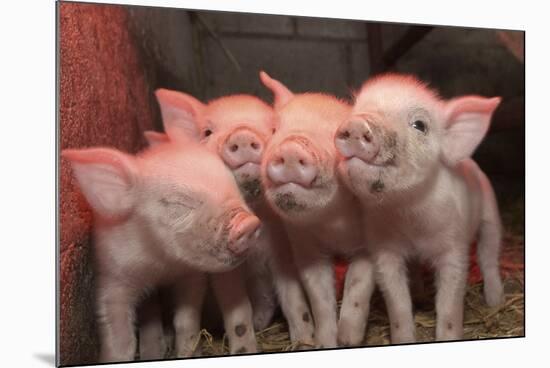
302 339
244 349
187 354
448 331
494 293
327 346
191 348
403 340
325 342
300 346
304 343
402 336
113 357
153 351
302 330
348 334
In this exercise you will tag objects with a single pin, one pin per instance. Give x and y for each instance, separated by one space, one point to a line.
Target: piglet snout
355 138
244 230
292 163
241 147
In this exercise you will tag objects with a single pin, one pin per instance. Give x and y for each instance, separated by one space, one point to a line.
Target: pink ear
155 138
106 178
180 114
282 94
467 122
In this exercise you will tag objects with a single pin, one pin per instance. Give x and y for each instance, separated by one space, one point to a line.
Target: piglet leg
115 318
391 275
261 292
489 243
291 295
230 291
358 289
151 335
188 299
317 275
451 278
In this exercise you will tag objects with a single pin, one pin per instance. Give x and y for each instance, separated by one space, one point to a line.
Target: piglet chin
357 167
248 178
290 187
250 171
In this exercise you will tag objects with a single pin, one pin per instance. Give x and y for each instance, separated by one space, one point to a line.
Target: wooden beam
376 52
404 44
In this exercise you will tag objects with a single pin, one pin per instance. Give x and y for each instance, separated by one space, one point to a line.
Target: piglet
406 156
160 217
237 128
321 216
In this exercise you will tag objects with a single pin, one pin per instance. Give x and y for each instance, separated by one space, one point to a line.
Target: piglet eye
207 132
420 125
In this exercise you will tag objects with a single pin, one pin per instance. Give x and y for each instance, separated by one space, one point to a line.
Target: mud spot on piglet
377 186
390 147
305 317
241 350
287 202
240 330
390 140
251 189
344 134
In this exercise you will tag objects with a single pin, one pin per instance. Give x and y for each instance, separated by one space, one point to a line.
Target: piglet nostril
241 147
245 228
293 163
343 143
355 138
344 134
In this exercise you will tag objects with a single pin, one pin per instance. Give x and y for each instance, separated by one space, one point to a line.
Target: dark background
112 58
211 54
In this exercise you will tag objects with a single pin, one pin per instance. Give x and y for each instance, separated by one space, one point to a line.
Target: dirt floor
480 321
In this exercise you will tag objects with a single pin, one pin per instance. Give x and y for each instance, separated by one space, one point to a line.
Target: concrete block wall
332 55
165 38
307 54
311 54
